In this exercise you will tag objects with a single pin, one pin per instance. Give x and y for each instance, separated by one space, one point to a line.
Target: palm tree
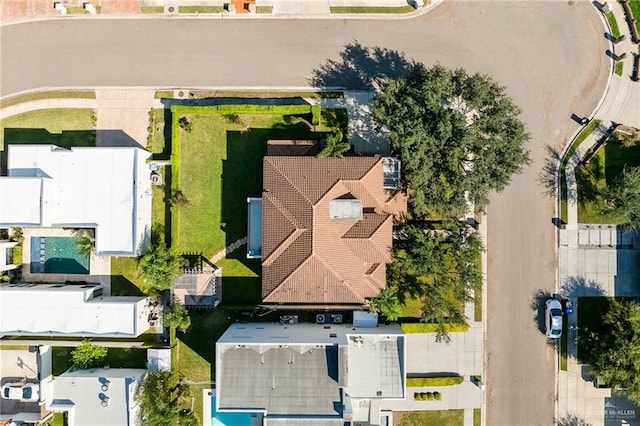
387 304
86 243
333 146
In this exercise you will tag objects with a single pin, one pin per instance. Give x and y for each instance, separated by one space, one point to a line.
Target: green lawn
124 277
603 169
635 9
563 347
411 307
116 358
63 127
477 417
200 9
428 418
619 67
373 9
220 166
58 419
586 131
613 24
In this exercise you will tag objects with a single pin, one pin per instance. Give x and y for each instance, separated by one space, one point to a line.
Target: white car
553 318
26 392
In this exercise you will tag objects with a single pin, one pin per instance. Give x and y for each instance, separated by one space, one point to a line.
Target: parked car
553 318
25 392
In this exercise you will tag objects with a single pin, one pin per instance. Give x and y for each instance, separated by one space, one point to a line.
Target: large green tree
177 317
387 304
89 355
458 136
439 266
160 398
159 267
622 198
614 349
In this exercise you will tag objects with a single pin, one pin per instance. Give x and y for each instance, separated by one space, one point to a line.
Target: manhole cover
181 93
171 9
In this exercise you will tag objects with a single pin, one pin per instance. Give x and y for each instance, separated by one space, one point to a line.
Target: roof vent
105 401
345 209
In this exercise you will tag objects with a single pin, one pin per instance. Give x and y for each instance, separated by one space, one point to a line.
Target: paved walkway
598 260
229 249
46 104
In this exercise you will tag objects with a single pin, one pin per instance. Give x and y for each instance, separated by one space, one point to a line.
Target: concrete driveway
549 55
16 365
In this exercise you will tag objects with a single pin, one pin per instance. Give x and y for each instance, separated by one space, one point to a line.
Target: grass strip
372 9
634 5
200 9
588 129
429 418
161 94
563 347
56 94
477 417
433 328
79 10
619 67
418 382
264 9
613 24
152 9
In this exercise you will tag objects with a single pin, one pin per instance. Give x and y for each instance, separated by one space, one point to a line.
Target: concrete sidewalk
598 260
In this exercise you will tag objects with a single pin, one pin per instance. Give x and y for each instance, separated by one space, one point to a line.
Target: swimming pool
57 255
229 419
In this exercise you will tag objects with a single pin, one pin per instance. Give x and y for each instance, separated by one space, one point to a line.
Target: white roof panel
108 189
25 210
46 309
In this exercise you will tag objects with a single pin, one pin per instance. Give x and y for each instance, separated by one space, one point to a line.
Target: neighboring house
326 228
297 373
96 397
69 310
106 189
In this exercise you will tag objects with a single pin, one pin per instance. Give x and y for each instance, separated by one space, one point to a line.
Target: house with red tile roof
327 228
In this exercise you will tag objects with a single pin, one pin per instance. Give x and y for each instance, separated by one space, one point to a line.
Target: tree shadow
571 419
587 178
361 68
579 286
64 139
549 175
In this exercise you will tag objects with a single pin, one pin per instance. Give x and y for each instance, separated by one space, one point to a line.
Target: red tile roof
309 257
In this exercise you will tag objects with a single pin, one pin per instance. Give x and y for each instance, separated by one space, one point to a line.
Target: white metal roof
82 393
68 310
21 201
108 189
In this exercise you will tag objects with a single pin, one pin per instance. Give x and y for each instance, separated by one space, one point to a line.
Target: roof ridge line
283 209
285 177
283 246
342 280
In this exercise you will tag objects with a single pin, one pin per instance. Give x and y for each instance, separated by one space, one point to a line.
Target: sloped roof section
310 256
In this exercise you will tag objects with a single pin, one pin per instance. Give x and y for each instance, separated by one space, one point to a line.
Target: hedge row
175 173
427 396
433 328
241 109
415 382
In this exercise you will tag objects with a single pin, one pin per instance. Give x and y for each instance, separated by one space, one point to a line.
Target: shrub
414 382
89 355
430 396
416 396
185 124
433 328
437 396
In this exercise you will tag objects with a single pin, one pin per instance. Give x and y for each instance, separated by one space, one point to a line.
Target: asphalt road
549 55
